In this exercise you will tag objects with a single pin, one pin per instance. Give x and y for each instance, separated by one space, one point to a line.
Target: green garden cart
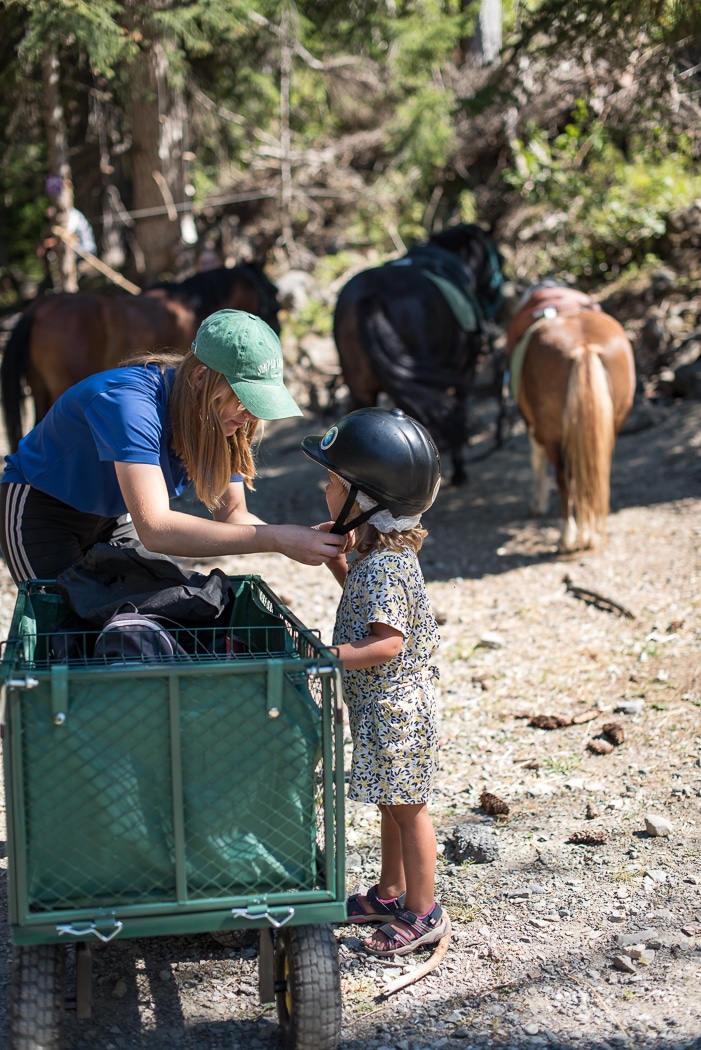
174 795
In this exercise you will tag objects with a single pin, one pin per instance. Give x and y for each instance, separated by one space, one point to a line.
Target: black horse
414 328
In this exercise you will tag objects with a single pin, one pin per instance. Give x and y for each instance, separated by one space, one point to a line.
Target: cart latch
90 928
254 915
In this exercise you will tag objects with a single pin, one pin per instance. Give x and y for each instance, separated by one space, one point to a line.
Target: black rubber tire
308 987
235 940
37 997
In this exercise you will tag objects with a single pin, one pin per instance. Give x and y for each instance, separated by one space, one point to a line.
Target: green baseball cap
246 350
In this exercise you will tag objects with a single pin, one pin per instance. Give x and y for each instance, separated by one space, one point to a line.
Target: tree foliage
366 122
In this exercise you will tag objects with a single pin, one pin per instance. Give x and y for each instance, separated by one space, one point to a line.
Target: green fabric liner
463 309
98 804
518 355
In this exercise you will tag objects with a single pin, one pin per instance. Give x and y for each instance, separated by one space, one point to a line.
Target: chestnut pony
573 377
414 329
63 338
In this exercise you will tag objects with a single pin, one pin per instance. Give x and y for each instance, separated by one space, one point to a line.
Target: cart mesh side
187 782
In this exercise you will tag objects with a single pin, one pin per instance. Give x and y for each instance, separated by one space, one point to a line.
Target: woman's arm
167 531
379 647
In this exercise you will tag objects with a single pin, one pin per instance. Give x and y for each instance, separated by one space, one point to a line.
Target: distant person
79 233
384 472
76 225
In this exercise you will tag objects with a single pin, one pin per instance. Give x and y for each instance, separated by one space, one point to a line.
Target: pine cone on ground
588 838
550 721
586 716
600 747
613 733
495 807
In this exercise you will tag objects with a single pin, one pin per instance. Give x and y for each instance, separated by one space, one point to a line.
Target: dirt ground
534 958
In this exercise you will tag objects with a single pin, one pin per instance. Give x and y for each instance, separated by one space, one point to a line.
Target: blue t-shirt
118 416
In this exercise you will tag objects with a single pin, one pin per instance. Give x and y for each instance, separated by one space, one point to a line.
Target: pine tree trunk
157 116
57 145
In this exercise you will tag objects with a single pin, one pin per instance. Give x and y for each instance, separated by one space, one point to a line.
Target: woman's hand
313 546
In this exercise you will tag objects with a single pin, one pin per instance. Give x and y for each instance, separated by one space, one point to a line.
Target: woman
113 450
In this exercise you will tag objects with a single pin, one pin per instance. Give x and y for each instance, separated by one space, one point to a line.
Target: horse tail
588 438
13 373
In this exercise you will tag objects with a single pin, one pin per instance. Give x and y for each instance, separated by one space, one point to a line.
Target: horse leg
568 525
541 488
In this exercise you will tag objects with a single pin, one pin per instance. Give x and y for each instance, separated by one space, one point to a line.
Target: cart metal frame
285 671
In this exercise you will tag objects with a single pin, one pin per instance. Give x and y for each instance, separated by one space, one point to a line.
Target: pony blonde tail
588 440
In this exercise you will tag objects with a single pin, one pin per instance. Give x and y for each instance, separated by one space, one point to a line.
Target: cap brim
266 400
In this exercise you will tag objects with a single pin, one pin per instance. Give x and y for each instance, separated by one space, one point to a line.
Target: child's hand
338 565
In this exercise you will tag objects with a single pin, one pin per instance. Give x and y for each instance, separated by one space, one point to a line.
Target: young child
384 472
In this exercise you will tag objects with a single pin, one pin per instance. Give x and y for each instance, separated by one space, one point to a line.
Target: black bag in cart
130 637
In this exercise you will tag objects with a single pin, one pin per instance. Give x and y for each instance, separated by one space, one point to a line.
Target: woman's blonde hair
198 438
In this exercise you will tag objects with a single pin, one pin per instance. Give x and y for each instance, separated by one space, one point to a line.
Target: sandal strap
355 905
406 927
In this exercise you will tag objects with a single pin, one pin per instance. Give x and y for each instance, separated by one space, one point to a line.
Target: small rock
642 955
624 963
531 1029
491 640
656 874
477 843
629 707
617 916
120 989
656 826
640 937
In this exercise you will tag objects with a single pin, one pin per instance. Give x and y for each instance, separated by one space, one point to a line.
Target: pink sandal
406 932
367 907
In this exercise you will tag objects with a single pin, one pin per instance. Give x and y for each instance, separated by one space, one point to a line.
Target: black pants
40 536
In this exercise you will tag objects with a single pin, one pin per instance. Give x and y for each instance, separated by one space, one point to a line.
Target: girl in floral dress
384 472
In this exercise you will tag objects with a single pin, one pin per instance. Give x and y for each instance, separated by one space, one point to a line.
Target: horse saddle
453 280
545 301
539 306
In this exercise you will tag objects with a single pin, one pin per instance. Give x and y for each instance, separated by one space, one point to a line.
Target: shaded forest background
320 137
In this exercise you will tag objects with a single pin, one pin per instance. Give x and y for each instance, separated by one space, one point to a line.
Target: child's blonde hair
198 438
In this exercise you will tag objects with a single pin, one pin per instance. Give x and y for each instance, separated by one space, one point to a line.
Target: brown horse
575 390
414 329
63 338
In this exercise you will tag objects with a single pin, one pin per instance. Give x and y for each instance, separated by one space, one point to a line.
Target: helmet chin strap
340 527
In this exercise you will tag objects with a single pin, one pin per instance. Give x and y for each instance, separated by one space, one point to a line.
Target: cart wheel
235 939
308 987
37 997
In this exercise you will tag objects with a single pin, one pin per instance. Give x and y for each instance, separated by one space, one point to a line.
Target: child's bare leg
418 846
417 841
392 881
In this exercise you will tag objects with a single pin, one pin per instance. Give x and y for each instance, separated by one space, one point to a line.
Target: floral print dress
391 707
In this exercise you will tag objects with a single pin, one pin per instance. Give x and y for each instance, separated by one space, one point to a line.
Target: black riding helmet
383 453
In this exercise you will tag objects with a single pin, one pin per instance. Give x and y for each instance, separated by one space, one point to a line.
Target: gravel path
554 943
